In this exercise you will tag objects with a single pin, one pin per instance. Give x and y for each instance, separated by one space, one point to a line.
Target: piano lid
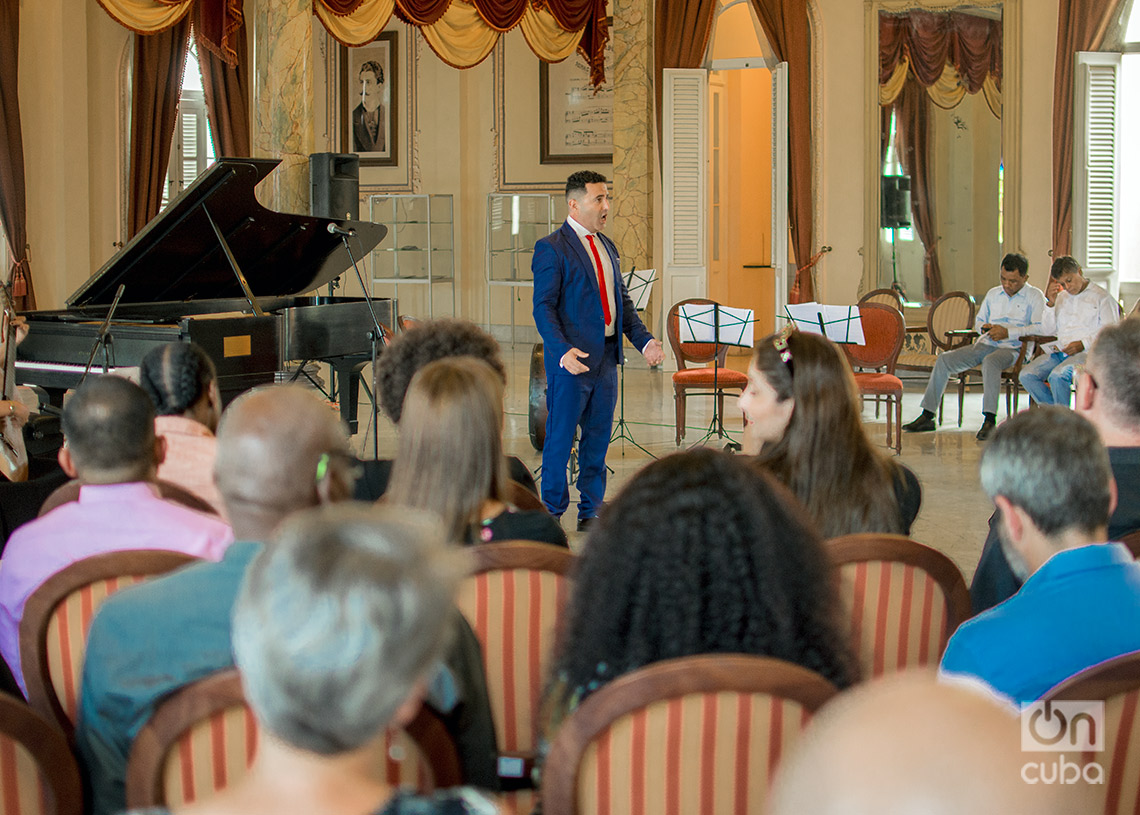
177 256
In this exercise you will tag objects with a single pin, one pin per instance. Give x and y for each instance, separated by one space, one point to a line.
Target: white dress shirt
1078 317
607 268
1015 314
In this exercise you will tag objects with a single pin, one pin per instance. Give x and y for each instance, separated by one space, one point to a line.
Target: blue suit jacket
568 304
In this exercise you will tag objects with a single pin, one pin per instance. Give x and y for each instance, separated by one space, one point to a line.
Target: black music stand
840 324
639 285
720 325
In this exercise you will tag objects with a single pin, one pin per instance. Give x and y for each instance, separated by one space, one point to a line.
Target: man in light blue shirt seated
1047 472
1006 313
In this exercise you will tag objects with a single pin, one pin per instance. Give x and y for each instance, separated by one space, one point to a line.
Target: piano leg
346 374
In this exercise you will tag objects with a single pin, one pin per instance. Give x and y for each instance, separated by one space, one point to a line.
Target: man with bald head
908 745
279 449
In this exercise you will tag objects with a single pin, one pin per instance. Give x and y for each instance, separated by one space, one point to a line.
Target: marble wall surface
283 99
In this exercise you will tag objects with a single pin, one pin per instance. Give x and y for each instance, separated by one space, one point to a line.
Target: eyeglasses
780 342
324 465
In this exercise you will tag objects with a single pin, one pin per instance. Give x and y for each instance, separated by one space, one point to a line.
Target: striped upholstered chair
698 734
1117 684
512 602
204 736
38 774
903 600
57 616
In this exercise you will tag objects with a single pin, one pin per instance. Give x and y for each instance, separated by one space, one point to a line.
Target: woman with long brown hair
803 423
450 456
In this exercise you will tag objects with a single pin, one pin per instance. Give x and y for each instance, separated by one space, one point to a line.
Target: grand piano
218 269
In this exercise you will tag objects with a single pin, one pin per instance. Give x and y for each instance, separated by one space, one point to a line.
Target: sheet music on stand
840 324
639 285
708 322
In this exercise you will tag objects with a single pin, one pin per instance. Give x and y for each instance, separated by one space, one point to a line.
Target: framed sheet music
576 123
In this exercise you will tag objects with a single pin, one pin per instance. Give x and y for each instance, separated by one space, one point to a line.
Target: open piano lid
177 256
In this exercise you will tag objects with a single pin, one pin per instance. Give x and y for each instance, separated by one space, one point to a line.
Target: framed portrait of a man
368 101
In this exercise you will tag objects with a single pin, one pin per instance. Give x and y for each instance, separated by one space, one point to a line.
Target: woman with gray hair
337 625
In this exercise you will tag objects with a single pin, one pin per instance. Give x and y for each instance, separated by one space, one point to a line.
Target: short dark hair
109 424
1052 464
576 183
1063 266
374 67
1016 262
426 342
1114 360
176 376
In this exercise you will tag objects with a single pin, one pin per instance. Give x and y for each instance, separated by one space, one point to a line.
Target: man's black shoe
923 424
987 429
584 524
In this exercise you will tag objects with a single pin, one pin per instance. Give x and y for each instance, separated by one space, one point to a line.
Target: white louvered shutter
779 260
684 178
1096 167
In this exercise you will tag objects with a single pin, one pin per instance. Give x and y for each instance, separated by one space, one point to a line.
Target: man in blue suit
581 309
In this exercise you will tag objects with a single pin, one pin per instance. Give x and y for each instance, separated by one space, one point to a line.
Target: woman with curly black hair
803 422
699 554
180 379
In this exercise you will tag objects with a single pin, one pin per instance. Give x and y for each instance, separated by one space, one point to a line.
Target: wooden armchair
883 330
38 773
698 734
903 600
57 617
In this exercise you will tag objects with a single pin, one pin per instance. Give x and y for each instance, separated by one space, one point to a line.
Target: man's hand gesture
653 352
569 361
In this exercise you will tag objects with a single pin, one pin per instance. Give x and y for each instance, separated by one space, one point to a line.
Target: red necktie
601 280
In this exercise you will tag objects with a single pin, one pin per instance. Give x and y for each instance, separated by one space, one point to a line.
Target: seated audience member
1005 314
1048 473
450 456
349 574
1075 312
1108 395
803 423
280 449
180 379
909 745
111 447
411 350
699 554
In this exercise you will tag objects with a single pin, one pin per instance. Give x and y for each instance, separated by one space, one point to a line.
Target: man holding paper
581 310
1006 314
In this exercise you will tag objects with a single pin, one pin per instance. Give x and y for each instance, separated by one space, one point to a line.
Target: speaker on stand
895 215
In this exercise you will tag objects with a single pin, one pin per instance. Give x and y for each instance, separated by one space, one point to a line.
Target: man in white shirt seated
1075 312
1006 313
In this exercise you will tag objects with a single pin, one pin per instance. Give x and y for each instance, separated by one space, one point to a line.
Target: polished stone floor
954 509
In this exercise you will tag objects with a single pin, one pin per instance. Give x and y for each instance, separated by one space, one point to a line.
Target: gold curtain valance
946 92
147 16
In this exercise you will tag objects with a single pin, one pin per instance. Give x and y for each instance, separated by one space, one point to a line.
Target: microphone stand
375 335
104 338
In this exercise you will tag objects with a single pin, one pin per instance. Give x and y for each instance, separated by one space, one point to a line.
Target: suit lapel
584 260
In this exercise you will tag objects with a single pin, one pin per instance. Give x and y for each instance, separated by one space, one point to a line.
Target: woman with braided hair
180 379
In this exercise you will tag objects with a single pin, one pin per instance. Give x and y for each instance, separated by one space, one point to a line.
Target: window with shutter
1096 166
684 176
192 148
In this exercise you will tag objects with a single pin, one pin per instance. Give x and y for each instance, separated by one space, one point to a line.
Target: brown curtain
13 204
1081 26
413 12
913 133
681 37
785 23
226 88
156 86
973 45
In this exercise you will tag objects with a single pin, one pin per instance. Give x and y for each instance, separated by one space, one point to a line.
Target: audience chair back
1132 541
38 773
57 617
953 310
883 331
523 498
903 600
884 297
1117 684
408 321
204 737
513 602
698 734
698 353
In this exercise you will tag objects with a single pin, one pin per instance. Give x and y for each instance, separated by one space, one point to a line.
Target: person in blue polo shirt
1048 473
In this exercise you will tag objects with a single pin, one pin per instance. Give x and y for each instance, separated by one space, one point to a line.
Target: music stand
638 285
840 324
720 325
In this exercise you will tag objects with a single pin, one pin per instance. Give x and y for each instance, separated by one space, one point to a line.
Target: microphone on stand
340 230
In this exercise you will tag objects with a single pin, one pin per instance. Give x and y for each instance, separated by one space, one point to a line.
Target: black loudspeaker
334 180
896 202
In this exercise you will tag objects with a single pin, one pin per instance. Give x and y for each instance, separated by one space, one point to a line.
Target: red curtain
1081 26
226 88
13 204
913 133
681 37
785 23
972 44
160 60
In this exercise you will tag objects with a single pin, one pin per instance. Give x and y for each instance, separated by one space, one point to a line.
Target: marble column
283 113
631 222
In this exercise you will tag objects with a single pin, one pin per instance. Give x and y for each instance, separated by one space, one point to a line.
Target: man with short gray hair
1048 473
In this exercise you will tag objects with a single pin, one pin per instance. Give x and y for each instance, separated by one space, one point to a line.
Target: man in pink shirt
110 445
